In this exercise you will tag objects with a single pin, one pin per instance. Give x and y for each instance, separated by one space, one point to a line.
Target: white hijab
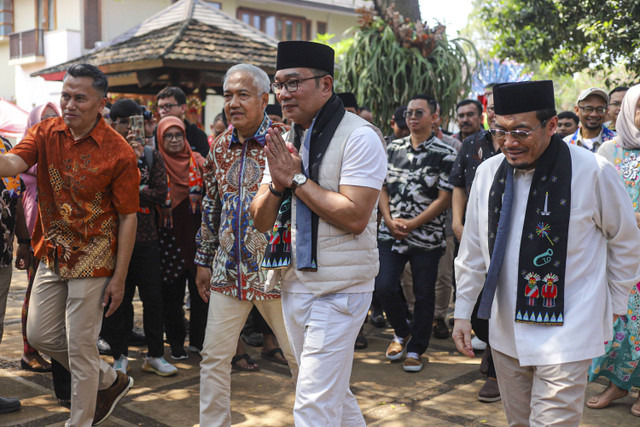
628 133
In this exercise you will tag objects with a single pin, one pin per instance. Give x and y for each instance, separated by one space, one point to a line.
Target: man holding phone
144 269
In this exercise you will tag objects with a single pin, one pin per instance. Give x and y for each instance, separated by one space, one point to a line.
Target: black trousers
481 328
173 297
144 272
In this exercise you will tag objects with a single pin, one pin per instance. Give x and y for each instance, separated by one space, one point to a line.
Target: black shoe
440 329
8 404
377 319
103 347
136 338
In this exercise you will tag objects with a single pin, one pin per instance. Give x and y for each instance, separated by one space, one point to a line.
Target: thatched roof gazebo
189 44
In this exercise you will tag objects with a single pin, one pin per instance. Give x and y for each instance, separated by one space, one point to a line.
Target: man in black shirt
173 102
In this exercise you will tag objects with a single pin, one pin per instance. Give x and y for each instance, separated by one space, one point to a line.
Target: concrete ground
443 394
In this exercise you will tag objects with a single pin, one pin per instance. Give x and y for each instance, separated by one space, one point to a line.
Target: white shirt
602 263
364 164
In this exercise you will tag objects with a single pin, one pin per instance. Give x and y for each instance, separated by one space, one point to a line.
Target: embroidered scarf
543 247
316 142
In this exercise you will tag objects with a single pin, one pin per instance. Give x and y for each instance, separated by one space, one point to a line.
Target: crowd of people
295 220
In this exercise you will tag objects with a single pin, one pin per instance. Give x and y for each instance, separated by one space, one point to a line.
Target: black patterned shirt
475 149
414 178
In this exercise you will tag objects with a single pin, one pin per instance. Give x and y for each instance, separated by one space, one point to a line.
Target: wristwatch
298 180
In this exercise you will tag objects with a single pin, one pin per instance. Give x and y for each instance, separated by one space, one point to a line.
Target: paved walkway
443 394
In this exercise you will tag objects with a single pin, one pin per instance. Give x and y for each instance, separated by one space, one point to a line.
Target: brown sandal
595 402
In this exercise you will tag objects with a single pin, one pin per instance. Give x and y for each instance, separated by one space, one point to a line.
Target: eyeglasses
291 85
123 122
616 104
178 136
589 109
415 113
167 107
518 135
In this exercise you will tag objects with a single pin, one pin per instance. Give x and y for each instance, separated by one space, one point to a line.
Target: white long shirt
602 263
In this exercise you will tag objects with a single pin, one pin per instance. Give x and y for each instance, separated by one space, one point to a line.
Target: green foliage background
567 36
384 75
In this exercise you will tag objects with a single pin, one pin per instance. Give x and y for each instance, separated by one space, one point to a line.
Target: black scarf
278 252
543 247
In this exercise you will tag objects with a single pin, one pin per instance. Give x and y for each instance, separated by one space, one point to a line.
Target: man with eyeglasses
615 101
591 109
172 101
412 202
318 196
230 249
556 261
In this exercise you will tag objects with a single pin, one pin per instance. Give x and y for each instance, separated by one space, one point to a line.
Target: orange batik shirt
82 187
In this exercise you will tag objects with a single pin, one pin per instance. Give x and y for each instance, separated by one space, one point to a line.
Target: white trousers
543 395
323 331
227 315
64 321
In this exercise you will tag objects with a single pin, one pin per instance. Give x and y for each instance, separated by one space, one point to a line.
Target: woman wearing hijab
179 222
620 363
31 359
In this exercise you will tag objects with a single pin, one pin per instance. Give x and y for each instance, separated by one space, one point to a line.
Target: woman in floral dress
620 363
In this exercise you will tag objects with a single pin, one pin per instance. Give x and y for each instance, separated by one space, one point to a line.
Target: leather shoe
440 329
8 404
34 365
489 391
109 398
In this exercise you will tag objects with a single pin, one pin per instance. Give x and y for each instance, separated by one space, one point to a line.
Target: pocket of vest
333 241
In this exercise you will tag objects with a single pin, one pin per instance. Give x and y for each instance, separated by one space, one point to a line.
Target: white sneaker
159 366
478 344
121 364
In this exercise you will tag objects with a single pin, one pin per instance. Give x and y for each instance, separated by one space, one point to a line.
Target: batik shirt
414 178
83 186
576 139
11 189
227 241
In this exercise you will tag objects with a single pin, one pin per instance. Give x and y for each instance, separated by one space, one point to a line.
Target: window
321 28
6 17
282 27
214 4
92 23
45 14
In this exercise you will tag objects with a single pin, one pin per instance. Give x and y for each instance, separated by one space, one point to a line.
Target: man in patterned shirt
230 249
412 202
87 199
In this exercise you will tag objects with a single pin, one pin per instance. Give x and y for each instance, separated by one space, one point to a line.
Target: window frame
298 23
4 22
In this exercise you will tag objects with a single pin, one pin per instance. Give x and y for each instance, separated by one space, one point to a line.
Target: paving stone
444 393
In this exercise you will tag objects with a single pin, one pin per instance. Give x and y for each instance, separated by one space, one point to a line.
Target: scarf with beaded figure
543 247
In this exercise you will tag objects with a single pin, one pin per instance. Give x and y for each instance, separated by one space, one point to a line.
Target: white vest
343 258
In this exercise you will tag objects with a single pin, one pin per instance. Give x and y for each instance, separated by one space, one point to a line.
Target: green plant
391 59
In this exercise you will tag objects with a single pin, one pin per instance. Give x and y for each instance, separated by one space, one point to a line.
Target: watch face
299 179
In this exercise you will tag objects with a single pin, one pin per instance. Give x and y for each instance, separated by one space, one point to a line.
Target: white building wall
119 16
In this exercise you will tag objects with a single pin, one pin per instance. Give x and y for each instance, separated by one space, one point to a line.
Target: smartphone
137 128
